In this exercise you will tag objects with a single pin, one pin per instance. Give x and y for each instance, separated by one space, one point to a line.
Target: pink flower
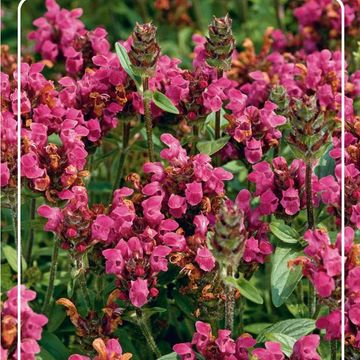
354 314
323 283
54 216
272 352
177 205
243 343
114 261
237 101
152 209
202 335
30 166
201 223
331 324
194 193
205 259
290 201
139 292
268 203
224 342
185 351
355 215
4 174
253 151
305 348
31 322
176 155
101 227
158 259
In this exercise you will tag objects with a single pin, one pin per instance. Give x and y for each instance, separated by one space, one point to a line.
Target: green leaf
54 346
287 342
246 289
326 165
256 328
284 232
132 317
58 315
295 328
171 356
212 146
11 257
164 103
124 59
283 279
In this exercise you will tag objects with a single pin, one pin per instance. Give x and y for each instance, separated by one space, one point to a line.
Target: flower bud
145 50
220 43
229 236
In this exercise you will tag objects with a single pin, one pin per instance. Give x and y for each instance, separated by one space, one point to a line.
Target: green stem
14 217
143 10
122 158
144 327
30 242
243 10
148 119
311 224
196 138
309 200
198 14
312 300
333 349
82 282
229 302
279 13
241 314
53 269
218 113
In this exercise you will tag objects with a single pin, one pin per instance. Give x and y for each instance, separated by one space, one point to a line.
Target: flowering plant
176 176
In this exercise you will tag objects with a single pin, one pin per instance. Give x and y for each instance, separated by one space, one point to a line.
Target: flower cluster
352 290
322 265
31 325
279 186
223 347
72 223
111 349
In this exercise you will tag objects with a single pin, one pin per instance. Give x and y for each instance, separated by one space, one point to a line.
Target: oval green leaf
124 59
212 146
246 289
164 103
295 328
283 279
284 232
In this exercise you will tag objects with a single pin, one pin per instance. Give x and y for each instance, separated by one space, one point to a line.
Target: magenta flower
305 348
5 174
139 292
194 193
290 201
158 259
331 324
177 205
202 336
272 351
205 259
253 151
185 351
31 324
101 227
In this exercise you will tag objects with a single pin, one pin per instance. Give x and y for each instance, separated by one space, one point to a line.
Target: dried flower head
220 43
145 50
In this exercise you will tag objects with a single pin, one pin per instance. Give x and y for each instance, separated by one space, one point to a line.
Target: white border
342 178
19 123
21 3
